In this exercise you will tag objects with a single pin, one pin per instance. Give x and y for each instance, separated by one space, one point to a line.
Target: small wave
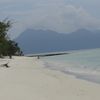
79 71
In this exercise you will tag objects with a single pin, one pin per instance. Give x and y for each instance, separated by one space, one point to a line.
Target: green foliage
7 46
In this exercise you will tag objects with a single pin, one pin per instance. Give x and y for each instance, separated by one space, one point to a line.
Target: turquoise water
83 64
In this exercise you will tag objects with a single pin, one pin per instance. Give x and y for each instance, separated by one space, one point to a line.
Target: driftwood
5 65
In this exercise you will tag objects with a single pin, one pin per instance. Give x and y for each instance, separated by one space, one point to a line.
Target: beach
28 79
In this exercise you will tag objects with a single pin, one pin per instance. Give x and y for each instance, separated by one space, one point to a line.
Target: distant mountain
39 41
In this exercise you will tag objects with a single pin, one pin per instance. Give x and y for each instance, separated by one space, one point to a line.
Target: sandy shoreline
27 79
80 72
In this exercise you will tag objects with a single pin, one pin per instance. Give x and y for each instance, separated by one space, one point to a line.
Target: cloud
55 15
62 18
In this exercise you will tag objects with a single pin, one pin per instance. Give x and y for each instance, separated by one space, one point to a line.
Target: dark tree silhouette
7 47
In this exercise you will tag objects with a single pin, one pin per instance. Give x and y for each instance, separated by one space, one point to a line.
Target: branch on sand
5 65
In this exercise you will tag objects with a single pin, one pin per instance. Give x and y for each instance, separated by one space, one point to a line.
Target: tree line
8 47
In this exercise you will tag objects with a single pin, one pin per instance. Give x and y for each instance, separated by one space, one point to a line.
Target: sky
63 16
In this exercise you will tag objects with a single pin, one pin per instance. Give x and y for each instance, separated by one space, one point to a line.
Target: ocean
83 64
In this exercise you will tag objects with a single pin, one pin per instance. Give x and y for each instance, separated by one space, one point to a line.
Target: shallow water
84 64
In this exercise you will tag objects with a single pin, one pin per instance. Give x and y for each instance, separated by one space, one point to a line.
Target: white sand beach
27 79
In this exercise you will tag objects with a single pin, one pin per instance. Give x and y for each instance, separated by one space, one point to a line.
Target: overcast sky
59 15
